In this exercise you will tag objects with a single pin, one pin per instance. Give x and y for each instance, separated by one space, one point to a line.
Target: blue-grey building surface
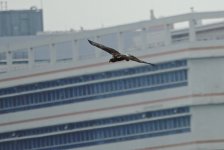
21 22
58 92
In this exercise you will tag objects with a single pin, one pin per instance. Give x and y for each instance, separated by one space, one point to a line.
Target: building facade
21 22
73 98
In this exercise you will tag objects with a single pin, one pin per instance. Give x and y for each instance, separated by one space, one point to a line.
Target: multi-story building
21 22
59 92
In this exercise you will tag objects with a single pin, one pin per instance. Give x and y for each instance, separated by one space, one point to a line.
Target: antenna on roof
152 16
6 5
41 4
192 9
1 3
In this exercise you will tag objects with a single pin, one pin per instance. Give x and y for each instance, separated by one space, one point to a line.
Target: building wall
206 75
21 22
206 134
207 126
203 94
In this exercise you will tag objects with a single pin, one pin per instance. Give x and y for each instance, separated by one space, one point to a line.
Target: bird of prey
117 56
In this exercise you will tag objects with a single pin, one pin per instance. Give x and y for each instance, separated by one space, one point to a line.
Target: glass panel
64 51
42 53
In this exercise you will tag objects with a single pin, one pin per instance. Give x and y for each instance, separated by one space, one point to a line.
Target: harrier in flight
116 55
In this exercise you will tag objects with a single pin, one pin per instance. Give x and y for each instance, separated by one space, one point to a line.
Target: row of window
102 135
91 77
94 91
95 123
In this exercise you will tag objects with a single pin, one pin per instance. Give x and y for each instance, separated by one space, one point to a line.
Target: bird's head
112 60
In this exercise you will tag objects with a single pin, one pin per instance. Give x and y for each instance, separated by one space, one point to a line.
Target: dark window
174 123
94 91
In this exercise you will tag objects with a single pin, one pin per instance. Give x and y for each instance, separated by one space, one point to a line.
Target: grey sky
67 14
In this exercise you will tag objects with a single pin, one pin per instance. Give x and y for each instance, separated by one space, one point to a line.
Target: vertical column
144 38
52 54
192 34
31 57
168 34
120 41
9 59
75 50
3 60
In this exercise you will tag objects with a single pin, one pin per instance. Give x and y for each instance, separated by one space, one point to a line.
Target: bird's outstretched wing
105 48
133 58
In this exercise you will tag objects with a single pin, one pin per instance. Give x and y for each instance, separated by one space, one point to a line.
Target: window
96 76
180 120
94 91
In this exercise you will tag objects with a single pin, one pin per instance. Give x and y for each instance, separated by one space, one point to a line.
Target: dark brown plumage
117 56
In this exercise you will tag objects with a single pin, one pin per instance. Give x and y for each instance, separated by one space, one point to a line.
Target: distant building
21 22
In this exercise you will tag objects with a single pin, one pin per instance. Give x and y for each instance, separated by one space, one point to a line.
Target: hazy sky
90 14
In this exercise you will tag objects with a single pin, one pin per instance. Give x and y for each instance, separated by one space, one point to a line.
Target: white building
58 92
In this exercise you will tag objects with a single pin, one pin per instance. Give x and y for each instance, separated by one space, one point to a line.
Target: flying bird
117 56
